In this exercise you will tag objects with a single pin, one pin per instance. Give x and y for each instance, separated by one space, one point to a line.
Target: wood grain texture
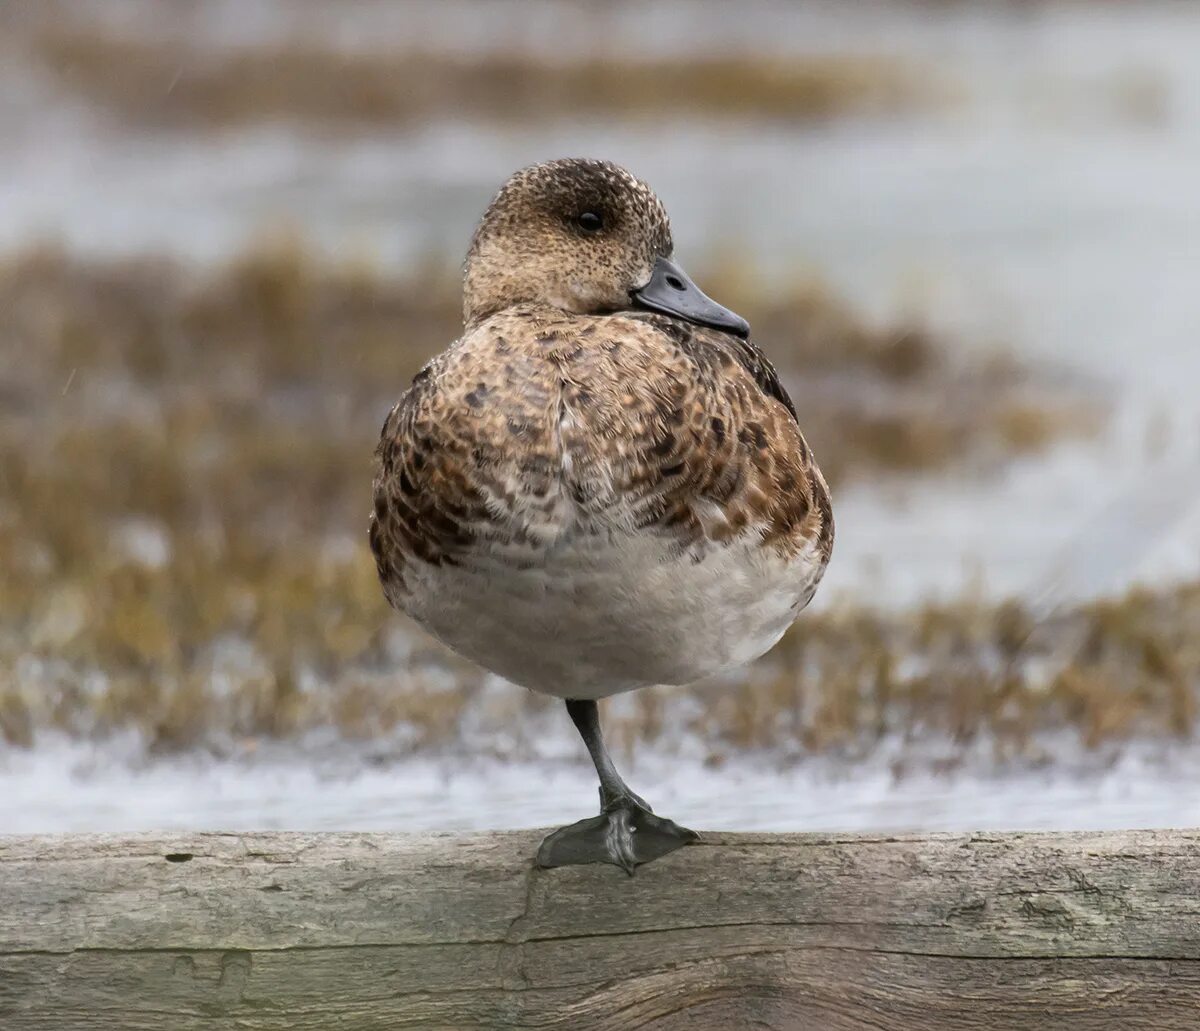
372 931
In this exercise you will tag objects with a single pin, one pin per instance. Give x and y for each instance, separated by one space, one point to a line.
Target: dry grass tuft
1108 671
173 83
185 463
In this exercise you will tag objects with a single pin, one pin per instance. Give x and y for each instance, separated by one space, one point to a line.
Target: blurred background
968 234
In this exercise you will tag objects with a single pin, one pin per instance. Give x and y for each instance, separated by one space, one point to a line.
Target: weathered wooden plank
365 931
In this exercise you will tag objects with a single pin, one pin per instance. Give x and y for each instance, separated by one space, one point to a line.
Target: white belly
595 614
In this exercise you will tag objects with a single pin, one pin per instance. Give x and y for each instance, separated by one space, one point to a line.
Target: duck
601 485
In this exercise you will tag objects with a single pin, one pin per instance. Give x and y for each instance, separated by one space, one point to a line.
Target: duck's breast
588 509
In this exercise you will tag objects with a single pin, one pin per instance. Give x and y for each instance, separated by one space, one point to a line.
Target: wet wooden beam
378 931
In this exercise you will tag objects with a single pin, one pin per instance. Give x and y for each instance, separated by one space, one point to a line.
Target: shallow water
73 787
1051 209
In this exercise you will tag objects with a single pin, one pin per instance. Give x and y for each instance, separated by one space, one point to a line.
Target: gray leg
626 833
586 717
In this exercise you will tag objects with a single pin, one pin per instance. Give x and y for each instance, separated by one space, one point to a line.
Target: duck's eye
590 222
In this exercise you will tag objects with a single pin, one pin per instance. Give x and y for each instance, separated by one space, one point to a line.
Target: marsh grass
185 460
897 398
169 82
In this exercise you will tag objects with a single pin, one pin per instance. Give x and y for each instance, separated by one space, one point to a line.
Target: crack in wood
377 932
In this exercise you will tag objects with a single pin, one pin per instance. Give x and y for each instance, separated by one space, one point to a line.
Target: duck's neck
494 282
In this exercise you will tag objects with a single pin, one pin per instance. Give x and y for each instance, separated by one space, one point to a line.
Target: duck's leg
626 833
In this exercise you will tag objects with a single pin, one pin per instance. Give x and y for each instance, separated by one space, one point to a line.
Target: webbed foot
626 834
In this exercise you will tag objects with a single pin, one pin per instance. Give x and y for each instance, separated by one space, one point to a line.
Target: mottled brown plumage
673 429
586 497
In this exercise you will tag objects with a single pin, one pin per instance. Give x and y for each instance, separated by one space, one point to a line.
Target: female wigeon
601 485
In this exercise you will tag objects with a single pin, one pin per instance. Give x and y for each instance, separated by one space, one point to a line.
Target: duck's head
585 236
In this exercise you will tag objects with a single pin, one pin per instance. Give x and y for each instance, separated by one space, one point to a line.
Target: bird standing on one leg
601 485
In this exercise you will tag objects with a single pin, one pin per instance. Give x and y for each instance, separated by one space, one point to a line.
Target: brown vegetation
185 461
166 82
